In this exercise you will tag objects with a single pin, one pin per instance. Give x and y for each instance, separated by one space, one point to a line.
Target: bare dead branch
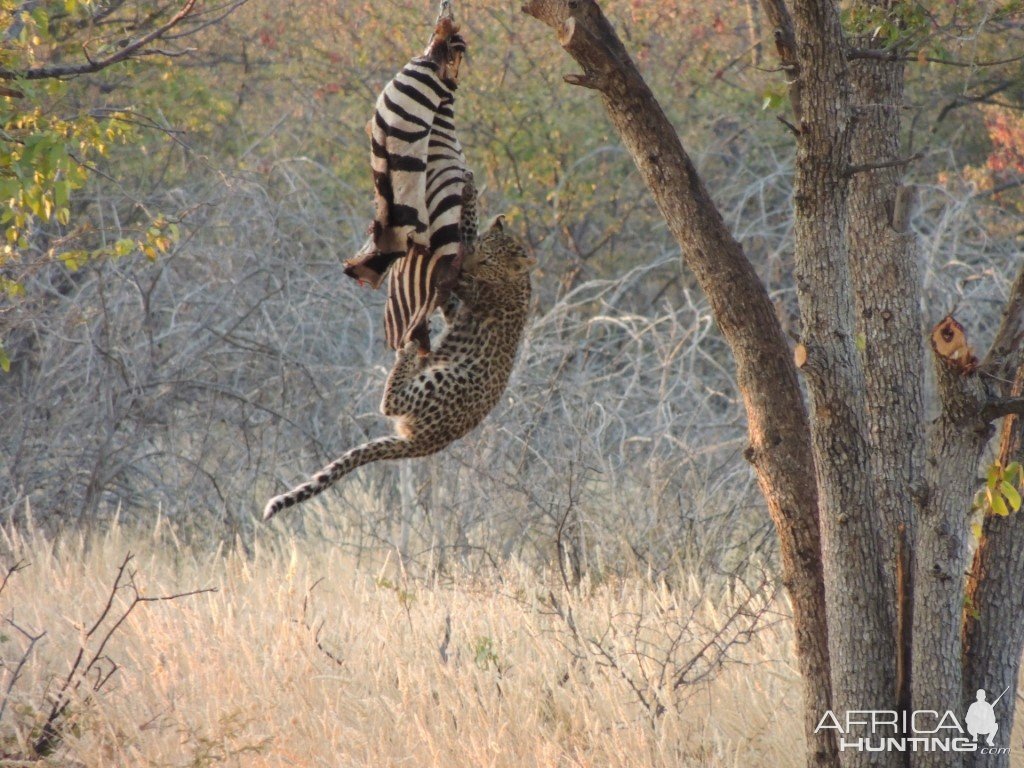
110 596
739 627
23 659
896 55
895 163
94 662
20 565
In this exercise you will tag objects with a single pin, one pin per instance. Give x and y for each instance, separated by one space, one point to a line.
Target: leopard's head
498 254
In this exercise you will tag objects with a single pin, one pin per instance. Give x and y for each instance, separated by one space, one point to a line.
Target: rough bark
859 608
777 418
994 618
886 280
955 439
994 610
887 291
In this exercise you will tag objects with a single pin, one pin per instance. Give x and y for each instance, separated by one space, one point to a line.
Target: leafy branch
128 50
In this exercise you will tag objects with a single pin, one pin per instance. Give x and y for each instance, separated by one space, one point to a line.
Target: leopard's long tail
381 449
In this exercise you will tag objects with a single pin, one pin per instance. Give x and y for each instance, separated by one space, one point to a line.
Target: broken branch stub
800 355
950 344
585 33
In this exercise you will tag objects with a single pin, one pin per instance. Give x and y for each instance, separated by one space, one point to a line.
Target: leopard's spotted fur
435 399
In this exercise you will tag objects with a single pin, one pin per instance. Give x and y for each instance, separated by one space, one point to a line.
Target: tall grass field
300 656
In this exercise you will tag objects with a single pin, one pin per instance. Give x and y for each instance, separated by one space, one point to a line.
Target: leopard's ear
497 223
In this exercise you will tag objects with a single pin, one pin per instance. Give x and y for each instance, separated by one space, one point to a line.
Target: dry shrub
202 384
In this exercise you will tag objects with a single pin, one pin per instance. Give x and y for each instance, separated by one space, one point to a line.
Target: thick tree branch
1006 355
776 414
134 47
997 409
954 443
862 642
886 279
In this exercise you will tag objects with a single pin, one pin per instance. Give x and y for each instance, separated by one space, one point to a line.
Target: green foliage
45 149
1001 493
44 157
44 154
55 135
904 25
929 31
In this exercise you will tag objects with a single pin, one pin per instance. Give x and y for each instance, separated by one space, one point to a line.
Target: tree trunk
886 280
859 608
993 631
955 440
777 419
848 487
994 609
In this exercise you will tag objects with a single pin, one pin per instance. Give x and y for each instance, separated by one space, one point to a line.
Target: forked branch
91 661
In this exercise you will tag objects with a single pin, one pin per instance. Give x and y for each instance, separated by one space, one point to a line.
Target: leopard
434 399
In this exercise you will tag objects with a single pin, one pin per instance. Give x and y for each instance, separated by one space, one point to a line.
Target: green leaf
5 361
999 506
42 19
61 193
992 476
1011 494
74 260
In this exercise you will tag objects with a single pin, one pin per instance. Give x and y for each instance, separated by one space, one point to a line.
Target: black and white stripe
420 179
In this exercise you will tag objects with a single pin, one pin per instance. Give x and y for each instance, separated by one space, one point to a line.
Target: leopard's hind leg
408 364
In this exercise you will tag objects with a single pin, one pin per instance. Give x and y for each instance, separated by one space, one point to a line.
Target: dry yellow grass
236 677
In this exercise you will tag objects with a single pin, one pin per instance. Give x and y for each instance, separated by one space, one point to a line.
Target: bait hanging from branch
425 202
